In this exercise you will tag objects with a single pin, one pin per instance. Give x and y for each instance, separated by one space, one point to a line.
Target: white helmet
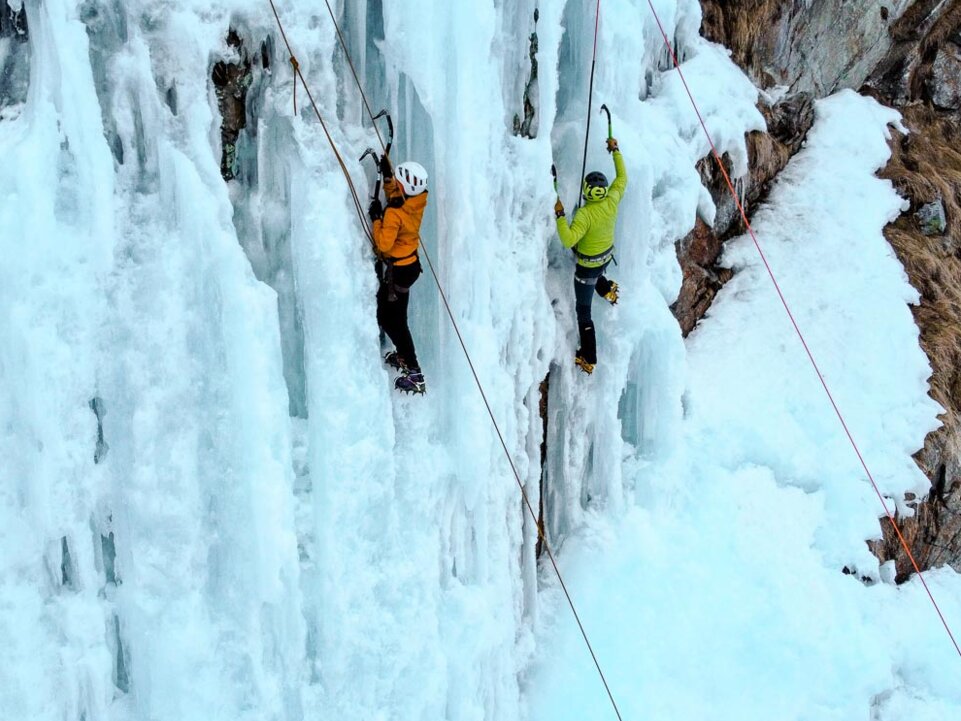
412 177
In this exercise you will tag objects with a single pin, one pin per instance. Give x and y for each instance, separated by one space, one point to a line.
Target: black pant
587 281
392 307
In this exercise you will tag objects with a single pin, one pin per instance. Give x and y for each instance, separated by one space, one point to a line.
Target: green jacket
592 232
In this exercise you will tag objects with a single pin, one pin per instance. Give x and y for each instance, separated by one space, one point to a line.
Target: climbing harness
460 339
797 328
599 258
385 272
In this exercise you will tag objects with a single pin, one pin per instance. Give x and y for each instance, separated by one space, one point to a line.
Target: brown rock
697 253
817 46
768 153
904 74
944 84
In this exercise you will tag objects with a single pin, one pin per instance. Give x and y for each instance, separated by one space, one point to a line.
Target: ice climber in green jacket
591 236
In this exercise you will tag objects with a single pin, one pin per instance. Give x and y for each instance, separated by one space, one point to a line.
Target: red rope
797 329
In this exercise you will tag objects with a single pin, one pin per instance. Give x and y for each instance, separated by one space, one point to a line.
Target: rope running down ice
295 65
797 329
477 381
590 98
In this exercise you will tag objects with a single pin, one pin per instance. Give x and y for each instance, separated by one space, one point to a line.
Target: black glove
385 168
376 210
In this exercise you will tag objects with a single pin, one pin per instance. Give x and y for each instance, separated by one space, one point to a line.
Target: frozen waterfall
213 506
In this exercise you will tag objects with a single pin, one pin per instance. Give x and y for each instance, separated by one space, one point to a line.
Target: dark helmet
595 186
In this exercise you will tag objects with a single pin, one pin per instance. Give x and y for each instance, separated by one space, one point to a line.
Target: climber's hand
376 210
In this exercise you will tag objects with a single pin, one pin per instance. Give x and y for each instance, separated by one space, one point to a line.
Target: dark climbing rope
590 101
360 86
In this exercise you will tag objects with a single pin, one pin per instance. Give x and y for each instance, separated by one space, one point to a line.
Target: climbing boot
611 295
586 356
582 363
411 382
395 361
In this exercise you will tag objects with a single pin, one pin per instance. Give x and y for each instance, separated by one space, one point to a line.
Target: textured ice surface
213 505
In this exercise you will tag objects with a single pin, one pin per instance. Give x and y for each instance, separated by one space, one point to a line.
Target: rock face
932 219
788 123
702 278
816 46
906 54
926 168
945 82
527 128
14 56
907 72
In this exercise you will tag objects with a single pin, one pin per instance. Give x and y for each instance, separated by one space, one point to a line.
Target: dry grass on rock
925 166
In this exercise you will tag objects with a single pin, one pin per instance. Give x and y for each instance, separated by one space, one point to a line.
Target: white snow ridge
215 507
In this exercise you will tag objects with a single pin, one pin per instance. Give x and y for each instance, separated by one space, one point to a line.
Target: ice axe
378 161
610 131
369 151
390 131
373 153
557 192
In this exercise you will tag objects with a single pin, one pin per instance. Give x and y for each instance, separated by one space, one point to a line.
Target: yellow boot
611 295
583 365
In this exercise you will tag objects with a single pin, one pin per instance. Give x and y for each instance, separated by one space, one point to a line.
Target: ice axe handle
610 131
390 129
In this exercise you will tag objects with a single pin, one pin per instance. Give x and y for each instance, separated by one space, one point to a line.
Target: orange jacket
397 235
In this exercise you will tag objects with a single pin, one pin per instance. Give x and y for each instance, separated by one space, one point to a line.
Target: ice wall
212 504
149 555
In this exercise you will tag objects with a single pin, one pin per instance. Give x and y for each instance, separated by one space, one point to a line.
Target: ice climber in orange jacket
396 231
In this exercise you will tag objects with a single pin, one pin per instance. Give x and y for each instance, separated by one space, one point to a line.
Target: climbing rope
797 329
480 387
590 99
298 75
295 67
353 70
520 485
